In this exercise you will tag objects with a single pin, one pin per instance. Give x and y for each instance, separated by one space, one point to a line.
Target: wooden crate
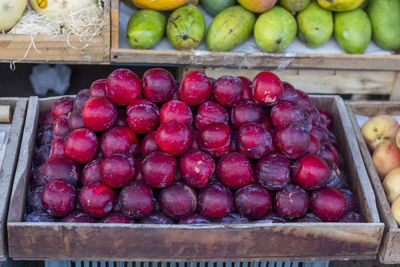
390 247
215 242
360 84
13 47
9 163
245 60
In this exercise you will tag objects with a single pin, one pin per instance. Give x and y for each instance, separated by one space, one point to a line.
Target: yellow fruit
59 9
396 209
10 12
160 5
391 185
340 5
378 129
386 158
257 6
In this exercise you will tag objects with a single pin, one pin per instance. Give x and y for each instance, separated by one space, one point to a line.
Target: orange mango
257 6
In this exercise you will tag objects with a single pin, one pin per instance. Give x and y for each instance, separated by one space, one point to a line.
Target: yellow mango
340 5
160 5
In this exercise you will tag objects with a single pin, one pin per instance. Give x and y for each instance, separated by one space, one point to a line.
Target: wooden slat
9 164
390 248
320 81
13 47
395 95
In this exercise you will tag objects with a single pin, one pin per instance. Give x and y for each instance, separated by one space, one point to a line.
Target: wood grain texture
5 113
7 170
320 81
246 242
390 248
13 47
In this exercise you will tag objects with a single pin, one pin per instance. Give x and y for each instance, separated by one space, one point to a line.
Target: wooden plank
246 242
390 247
320 81
9 164
395 95
13 47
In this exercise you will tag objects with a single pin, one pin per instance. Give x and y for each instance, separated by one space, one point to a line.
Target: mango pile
273 23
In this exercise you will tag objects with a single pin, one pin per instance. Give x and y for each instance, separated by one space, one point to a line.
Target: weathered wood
7 170
13 47
390 247
395 95
320 81
245 60
246 242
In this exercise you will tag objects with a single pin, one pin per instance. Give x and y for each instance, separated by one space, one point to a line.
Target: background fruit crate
390 247
215 242
14 47
9 162
359 84
243 59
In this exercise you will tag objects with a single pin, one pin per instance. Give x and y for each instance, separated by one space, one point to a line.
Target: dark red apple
328 204
41 155
336 177
62 106
310 172
98 88
143 116
289 92
228 91
34 199
58 198
44 135
57 149
157 218
234 170
81 145
136 200
267 122
123 87
286 112
253 201
196 168
267 88
62 169
314 146
247 94
210 112
81 97
99 114
149 144
119 139
244 112
158 169
117 217
60 128
195 89
215 139
273 172
194 219
91 173
174 138
117 170
122 118
328 151
47 118
351 200
97 200
78 217
326 118
293 141
176 110
215 201
75 120
254 140
178 201
291 202
158 85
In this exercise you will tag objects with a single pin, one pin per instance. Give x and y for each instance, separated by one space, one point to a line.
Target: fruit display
382 136
227 24
207 151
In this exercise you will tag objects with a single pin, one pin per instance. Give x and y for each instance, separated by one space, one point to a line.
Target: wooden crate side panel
114 23
8 167
319 81
134 242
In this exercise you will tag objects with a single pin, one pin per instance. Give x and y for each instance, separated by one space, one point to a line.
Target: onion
60 9
10 12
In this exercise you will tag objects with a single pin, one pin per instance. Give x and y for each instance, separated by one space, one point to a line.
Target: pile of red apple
200 151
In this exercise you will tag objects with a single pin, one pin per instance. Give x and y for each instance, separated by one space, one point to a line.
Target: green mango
230 28
315 25
385 20
213 7
353 30
146 29
186 28
275 30
294 5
